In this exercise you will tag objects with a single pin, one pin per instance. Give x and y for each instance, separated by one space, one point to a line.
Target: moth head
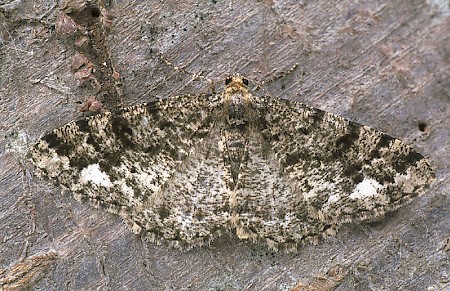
236 81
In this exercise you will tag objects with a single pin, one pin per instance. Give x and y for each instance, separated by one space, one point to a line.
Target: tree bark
381 63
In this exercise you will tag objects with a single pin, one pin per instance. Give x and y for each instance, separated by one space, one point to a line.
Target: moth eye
245 81
228 80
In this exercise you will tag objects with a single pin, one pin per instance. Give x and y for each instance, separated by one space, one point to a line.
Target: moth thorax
237 105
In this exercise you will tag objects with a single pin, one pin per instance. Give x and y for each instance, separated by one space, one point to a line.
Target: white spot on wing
93 174
145 121
127 190
367 188
333 198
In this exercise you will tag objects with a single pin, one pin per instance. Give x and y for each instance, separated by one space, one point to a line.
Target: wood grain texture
381 64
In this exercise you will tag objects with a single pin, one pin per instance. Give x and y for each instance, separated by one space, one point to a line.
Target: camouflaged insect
189 169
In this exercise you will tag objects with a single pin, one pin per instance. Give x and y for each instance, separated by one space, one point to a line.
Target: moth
188 169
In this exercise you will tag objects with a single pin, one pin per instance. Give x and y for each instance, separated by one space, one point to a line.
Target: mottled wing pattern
267 207
314 171
122 160
187 169
192 208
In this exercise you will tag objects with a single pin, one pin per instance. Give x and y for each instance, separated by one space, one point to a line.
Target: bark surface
379 63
